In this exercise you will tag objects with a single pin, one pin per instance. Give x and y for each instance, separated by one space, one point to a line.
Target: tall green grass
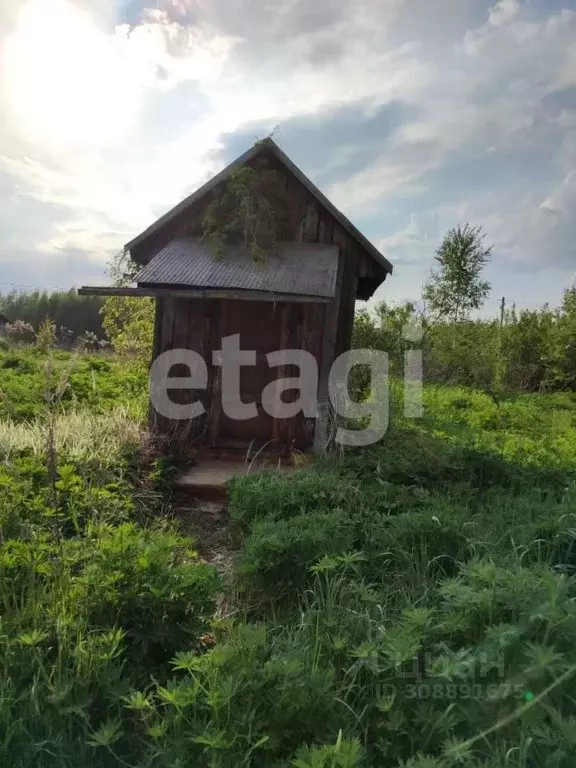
95 382
433 575
409 605
81 434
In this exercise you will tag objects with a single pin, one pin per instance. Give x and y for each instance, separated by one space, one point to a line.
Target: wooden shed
301 296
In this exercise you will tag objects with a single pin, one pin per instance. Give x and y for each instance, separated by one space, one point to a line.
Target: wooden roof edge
200 293
184 204
109 290
293 168
331 208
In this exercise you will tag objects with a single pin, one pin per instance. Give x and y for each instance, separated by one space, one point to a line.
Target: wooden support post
153 417
322 436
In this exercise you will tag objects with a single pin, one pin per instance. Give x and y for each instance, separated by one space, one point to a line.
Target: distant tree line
527 350
73 315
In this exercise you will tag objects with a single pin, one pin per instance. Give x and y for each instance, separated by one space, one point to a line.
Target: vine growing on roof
250 208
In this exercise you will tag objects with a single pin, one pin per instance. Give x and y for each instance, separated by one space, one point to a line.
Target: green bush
277 496
531 351
277 555
91 609
150 584
254 699
436 541
81 379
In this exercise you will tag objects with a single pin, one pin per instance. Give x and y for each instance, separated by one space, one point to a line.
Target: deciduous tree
456 287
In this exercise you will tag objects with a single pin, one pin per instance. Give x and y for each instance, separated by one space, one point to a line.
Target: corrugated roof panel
306 269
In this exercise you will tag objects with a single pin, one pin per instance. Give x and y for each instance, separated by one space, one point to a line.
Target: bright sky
411 115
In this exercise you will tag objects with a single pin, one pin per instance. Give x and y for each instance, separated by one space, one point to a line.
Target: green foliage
278 554
149 584
456 287
410 604
46 335
129 322
88 380
346 753
250 208
275 496
441 600
93 604
531 351
66 309
393 330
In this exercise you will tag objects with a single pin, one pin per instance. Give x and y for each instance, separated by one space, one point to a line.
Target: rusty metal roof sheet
306 269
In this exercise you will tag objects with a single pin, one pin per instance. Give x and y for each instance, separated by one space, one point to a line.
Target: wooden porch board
207 478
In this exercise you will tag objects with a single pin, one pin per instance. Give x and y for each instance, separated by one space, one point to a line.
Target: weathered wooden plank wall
325 330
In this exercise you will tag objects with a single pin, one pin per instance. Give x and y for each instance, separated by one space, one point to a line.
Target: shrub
253 699
155 589
437 543
277 555
20 332
46 335
24 380
276 496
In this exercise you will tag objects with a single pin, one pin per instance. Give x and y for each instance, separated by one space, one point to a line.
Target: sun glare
64 77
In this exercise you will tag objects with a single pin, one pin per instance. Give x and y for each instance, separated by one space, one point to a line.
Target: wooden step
207 479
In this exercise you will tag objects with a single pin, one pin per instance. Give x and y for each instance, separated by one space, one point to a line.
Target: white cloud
69 83
503 12
66 82
111 123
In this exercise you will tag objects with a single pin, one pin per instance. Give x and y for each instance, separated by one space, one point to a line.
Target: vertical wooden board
181 396
206 310
313 329
214 406
199 340
313 341
296 195
194 326
325 227
163 343
182 310
157 342
154 419
329 340
347 301
366 267
298 315
295 426
346 285
311 220
280 428
167 334
182 314
340 236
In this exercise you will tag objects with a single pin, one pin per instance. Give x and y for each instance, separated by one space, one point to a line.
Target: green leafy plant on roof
249 209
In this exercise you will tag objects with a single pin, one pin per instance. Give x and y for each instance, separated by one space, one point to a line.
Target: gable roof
270 145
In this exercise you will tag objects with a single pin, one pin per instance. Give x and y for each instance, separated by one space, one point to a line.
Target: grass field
411 604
